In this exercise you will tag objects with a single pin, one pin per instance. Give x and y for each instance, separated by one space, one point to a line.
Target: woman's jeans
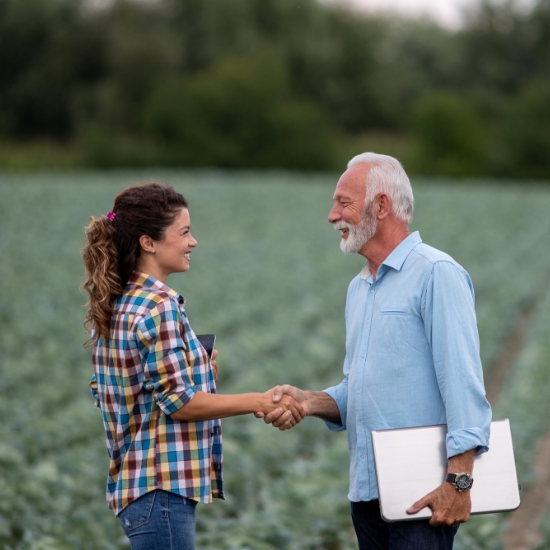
373 533
160 521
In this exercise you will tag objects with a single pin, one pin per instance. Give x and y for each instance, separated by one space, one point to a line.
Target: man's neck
384 242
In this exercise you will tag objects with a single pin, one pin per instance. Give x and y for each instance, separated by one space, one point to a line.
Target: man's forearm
462 463
322 405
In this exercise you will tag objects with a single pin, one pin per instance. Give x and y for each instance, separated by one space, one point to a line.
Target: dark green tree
449 135
239 112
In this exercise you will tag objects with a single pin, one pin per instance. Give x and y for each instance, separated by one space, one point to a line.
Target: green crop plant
269 279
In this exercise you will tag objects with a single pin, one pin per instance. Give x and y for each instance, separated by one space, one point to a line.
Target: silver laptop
412 462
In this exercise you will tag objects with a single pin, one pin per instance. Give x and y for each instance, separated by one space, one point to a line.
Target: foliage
525 139
47 49
239 112
101 85
449 134
269 280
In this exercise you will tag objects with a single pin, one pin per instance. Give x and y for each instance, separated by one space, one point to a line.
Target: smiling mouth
342 227
187 256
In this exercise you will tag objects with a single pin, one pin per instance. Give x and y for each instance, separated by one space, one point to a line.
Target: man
412 355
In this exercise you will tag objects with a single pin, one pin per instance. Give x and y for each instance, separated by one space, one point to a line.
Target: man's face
350 214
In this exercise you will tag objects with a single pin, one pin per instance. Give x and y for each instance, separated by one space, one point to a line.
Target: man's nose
334 214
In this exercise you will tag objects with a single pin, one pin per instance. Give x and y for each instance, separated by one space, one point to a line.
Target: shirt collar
139 278
398 255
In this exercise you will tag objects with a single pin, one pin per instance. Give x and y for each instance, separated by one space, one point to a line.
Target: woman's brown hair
112 249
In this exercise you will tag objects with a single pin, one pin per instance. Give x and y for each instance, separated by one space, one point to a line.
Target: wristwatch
462 481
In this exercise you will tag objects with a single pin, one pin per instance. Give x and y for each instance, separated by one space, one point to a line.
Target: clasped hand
280 415
279 405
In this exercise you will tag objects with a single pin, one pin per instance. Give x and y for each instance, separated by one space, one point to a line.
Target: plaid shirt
150 367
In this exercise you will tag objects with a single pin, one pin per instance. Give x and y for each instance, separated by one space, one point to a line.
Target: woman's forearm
208 406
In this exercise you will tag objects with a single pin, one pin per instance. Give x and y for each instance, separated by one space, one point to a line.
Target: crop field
269 279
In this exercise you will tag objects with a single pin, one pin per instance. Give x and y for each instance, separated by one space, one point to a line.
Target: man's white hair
387 175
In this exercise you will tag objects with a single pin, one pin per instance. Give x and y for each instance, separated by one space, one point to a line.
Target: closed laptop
412 462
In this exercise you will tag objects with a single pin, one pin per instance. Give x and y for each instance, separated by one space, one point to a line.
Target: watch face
463 482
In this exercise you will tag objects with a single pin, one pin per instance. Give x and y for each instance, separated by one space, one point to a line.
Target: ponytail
103 283
111 250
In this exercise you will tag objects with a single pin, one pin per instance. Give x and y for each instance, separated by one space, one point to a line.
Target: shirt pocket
394 310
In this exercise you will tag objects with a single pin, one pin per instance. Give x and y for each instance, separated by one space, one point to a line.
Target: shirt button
181 300
356 391
372 290
362 456
149 386
363 355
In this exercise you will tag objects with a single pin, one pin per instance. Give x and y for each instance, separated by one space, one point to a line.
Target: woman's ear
147 244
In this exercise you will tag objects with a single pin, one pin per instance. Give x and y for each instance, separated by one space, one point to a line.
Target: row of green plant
271 83
269 279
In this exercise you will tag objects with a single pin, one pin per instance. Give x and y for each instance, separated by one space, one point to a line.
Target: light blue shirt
412 358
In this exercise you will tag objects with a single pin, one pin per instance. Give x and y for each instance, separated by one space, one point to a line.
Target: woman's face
173 254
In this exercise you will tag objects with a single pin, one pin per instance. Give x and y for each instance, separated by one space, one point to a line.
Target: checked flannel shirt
149 368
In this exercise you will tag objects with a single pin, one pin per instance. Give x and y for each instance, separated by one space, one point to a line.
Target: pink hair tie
111 216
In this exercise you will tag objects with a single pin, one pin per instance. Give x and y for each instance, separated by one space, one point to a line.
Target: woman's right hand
286 403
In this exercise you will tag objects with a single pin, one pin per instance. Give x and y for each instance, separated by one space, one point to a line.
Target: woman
153 381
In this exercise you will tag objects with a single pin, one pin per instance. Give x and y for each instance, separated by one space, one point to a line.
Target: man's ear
147 244
382 205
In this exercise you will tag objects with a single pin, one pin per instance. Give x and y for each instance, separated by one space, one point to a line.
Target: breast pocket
397 332
395 310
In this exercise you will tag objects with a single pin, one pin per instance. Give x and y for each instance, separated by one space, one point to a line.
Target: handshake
286 407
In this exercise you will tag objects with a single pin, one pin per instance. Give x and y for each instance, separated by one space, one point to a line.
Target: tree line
275 83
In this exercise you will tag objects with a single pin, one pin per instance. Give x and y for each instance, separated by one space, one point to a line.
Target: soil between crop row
521 532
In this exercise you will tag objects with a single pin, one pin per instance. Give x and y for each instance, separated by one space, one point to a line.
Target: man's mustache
338 226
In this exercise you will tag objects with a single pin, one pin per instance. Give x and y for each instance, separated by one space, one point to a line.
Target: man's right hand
281 419
279 404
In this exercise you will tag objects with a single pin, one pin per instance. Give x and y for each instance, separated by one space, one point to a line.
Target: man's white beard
358 234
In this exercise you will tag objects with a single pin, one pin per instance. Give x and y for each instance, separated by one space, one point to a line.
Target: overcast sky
447 12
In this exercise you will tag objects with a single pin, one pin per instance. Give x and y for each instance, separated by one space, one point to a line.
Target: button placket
361 435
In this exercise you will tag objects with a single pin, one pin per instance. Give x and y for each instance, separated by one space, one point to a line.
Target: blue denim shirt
412 358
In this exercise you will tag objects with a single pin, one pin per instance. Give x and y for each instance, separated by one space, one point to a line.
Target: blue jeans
160 521
373 533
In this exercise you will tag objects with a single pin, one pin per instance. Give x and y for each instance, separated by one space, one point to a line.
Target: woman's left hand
215 364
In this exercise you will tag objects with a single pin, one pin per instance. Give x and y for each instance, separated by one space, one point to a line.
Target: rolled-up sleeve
451 329
340 394
161 346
